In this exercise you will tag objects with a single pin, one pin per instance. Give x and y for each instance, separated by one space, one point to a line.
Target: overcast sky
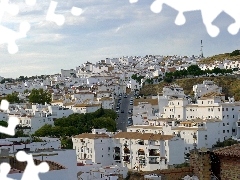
105 29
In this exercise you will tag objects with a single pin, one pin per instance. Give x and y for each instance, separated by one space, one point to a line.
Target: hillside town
121 131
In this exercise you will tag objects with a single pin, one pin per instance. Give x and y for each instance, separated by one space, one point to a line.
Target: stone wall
201 164
166 174
230 168
22 165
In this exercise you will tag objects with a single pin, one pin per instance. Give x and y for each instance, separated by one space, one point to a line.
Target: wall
230 168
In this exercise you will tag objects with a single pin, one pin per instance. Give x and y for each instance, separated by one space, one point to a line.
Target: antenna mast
201 50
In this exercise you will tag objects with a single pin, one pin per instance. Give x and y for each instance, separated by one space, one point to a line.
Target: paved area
122 120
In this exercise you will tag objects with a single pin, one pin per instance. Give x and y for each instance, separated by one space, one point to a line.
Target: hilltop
230 85
234 56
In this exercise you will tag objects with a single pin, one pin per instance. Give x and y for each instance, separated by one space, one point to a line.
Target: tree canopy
76 124
194 70
13 98
40 96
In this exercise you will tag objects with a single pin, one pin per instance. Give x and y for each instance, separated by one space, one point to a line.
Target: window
202 102
233 130
101 140
223 124
232 109
233 116
227 131
219 109
226 109
228 123
222 109
223 131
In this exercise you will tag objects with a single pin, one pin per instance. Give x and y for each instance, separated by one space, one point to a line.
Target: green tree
194 70
13 98
104 122
40 96
45 130
235 53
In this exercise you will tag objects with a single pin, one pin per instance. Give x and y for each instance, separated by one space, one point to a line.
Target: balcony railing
153 162
154 154
117 158
141 153
126 159
126 151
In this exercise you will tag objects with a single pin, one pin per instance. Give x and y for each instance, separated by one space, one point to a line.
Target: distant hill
230 86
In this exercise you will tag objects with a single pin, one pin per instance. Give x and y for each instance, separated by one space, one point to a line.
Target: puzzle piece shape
31 171
209 10
12 122
76 11
4 170
51 16
30 2
7 35
9 8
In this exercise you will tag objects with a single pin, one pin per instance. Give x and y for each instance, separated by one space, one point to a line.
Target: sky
105 29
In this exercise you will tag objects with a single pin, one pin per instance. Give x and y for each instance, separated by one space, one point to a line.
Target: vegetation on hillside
225 143
78 123
235 56
230 85
40 96
18 132
194 70
13 98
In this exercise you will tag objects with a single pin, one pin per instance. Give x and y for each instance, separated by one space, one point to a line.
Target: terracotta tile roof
233 151
91 136
142 136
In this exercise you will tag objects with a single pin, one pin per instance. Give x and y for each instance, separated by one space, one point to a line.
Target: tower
201 50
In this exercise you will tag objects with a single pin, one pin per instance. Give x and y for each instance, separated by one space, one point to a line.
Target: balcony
126 151
238 123
141 152
117 150
117 158
153 162
140 142
154 154
126 159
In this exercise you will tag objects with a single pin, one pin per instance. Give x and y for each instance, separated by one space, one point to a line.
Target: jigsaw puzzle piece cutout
76 11
4 105
230 7
12 123
209 11
12 9
31 171
30 2
9 36
4 170
51 16
133 1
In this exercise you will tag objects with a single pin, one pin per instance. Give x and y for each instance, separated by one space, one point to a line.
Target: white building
139 151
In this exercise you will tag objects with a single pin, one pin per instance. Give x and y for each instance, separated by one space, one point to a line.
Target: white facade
133 150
